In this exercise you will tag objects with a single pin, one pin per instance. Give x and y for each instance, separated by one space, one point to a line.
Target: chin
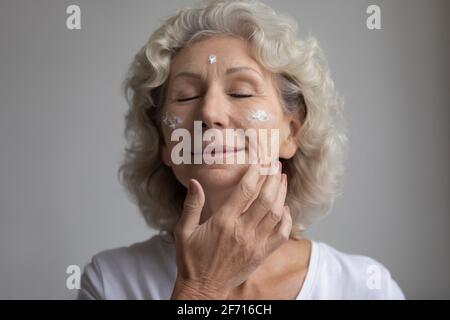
218 175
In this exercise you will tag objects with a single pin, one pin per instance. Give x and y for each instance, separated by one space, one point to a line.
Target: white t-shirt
147 270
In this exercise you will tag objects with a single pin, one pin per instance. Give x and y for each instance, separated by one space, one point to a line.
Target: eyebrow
237 69
188 74
229 71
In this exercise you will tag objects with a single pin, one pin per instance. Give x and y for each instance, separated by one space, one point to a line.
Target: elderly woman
232 230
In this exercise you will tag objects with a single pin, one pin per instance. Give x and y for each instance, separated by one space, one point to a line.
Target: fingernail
191 188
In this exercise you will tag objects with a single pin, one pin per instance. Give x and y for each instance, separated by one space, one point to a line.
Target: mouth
220 150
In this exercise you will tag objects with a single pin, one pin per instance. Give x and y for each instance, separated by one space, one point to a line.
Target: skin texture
232 238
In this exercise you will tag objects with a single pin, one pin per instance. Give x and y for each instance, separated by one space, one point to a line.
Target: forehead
230 52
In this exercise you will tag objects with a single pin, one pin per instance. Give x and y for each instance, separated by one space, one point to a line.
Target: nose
214 110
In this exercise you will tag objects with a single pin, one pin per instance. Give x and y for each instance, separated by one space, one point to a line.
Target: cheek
170 120
270 119
258 116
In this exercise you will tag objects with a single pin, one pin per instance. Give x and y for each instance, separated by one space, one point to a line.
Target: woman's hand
220 254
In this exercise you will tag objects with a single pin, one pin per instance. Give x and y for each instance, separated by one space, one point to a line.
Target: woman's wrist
193 290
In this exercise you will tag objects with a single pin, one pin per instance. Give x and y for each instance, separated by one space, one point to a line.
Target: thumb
193 204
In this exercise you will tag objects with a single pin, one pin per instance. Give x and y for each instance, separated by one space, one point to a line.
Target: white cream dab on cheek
171 121
258 115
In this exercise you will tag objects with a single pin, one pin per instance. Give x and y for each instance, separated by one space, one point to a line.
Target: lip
225 150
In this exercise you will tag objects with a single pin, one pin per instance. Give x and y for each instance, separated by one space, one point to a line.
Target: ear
294 122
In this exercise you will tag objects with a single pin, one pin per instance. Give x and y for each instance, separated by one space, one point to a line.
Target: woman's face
228 91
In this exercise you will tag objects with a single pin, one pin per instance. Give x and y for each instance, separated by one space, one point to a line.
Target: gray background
61 122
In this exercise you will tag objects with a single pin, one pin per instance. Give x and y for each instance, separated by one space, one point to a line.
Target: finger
264 201
282 231
284 227
253 150
257 150
192 208
272 218
267 164
246 191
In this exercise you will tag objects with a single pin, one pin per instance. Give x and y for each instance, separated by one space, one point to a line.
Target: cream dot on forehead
212 59
258 115
171 120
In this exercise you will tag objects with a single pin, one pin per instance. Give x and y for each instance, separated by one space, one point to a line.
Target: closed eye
236 95
188 99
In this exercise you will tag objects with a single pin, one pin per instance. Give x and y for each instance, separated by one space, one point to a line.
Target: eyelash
234 95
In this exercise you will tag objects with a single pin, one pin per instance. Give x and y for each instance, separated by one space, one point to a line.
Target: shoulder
349 276
155 251
132 272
